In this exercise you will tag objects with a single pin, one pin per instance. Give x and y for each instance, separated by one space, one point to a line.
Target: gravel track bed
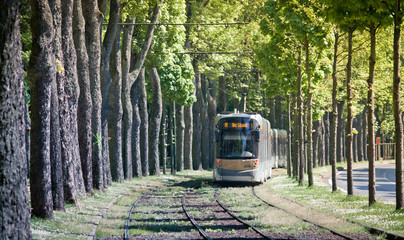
214 220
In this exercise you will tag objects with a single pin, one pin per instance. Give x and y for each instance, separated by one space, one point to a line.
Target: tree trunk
196 138
349 133
56 152
204 121
163 148
222 94
55 139
144 124
211 116
359 145
340 132
14 198
179 137
106 49
62 75
364 136
334 134
41 72
171 136
295 138
278 112
115 103
316 128
136 159
84 110
327 127
309 117
129 90
127 118
93 20
397 109
155 121
370 106
72 90
300 120
188 118
289 141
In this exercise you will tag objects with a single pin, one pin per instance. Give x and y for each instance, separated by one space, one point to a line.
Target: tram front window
237 145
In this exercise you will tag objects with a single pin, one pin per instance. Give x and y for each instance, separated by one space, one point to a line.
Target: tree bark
41 72
115 103
84 110
67 158
397 108
222 94
144 124
14 198
340 132
349 133
204 122
295 163
163 148
289 141
188 143
179 137
359 145
105 74
127 118
155 122
370 106
196 138
300 120
56 152
316 128
93 19
364 136
309 117
72 91
334 134
211 116
136 159
171 136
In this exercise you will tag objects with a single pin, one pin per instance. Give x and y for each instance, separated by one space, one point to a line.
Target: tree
84 110
55 138
398 16
115 105
71 95
130 111
155 122
14 202
144 123
41 72
93 19
105 76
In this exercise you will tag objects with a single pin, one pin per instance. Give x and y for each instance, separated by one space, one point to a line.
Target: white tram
246 148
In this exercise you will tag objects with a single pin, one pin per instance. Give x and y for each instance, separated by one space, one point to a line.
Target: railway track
205 235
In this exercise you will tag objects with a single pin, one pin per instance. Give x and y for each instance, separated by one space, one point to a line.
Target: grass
381 214
77 223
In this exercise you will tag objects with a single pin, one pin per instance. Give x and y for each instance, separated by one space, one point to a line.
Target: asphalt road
385 181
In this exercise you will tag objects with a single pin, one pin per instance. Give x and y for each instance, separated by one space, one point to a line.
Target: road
385 180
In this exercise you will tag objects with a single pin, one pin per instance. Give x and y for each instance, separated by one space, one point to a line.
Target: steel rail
239 219
303 219
184 207
126 237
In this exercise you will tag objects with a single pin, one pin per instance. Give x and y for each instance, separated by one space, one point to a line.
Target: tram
246 148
